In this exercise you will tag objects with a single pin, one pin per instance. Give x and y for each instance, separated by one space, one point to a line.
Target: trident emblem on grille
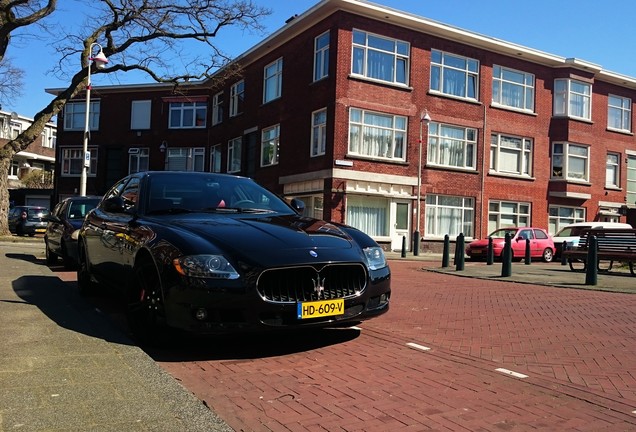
319 286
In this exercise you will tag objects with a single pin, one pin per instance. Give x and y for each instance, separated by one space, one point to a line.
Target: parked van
572 233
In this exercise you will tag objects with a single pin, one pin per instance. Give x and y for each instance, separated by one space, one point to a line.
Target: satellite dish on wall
14 115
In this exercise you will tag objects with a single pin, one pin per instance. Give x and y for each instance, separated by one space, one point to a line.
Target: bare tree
148 36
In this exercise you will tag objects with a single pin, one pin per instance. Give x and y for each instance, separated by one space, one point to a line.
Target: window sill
376 159
614 188
620 131
513 109
451 168
457 98
511 176
380 82
571 181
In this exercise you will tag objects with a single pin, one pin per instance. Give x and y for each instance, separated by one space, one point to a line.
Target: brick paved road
576 348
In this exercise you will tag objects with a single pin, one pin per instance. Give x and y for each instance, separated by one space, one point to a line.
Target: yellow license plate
322 308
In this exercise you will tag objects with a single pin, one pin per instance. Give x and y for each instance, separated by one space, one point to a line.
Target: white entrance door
401 224
631 180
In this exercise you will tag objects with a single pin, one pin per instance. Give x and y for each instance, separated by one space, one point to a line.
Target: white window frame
572 98
194 158
369 46
612 170
73 161
75 115
503 146
361 126
512 89
234 155
139 161
318 132
560 216
446 69
215 158
504 214
217 108
440 141
140 113
370 214
270 145
321 56
273 80
567 154
187 115
619 113
450 215
237 97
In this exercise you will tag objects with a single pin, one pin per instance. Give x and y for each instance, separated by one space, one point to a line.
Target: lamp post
100 63
424 118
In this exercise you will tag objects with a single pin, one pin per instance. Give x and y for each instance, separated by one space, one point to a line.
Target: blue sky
601 33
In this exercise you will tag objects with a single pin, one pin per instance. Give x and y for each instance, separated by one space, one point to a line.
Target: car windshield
178 193
501 233
79 209
572 231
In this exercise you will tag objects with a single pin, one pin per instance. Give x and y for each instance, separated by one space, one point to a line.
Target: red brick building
331 109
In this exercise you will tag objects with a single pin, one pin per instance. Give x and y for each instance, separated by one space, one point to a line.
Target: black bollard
490 254
506 258
528 258
591 272
564 247
403 247
446 251
459 253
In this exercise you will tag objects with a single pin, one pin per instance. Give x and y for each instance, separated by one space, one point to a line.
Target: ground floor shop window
368 214
450 215
561 216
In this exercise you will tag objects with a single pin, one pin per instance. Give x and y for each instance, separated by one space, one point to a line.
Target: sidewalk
65 367
537 273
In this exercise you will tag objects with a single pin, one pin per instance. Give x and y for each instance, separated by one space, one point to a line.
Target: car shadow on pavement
64 306
250 346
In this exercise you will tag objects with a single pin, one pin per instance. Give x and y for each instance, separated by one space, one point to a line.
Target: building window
185 159
314 206
140 114
73 161
138 160
502 214
217 108
321 56
14 169
234 155
450 215
188 115
75 115
215 158
380 58
451 146
560 216
369 214
272 80
269 145
612 170
570 162
619 113
376 135
237 95
512 88
318 132
510 155
454 75
572 99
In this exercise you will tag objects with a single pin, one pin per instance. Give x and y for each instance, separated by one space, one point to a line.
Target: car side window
540 234
526 234
130 193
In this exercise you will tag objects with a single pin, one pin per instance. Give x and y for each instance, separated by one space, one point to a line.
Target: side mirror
298 205
114 205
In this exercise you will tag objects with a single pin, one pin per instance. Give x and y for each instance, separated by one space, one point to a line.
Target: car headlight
375 258
205 266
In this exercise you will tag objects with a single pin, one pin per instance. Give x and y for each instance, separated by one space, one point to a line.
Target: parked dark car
27 220
541 244
212 253
60 238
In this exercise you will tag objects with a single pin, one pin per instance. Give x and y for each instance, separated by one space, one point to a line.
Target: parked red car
541 244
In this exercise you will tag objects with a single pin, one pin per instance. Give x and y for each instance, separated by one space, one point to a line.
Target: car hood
271 238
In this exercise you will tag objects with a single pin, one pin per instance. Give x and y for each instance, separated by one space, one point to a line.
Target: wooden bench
612 244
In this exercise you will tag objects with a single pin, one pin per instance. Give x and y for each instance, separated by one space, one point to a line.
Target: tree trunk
4 196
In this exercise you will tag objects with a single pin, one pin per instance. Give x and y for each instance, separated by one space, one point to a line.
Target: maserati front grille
307 283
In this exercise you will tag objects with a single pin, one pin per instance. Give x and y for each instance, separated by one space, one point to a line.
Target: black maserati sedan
215 254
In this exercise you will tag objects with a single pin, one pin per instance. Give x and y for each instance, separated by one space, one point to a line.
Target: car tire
144 304
51 258
85 283
548 255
